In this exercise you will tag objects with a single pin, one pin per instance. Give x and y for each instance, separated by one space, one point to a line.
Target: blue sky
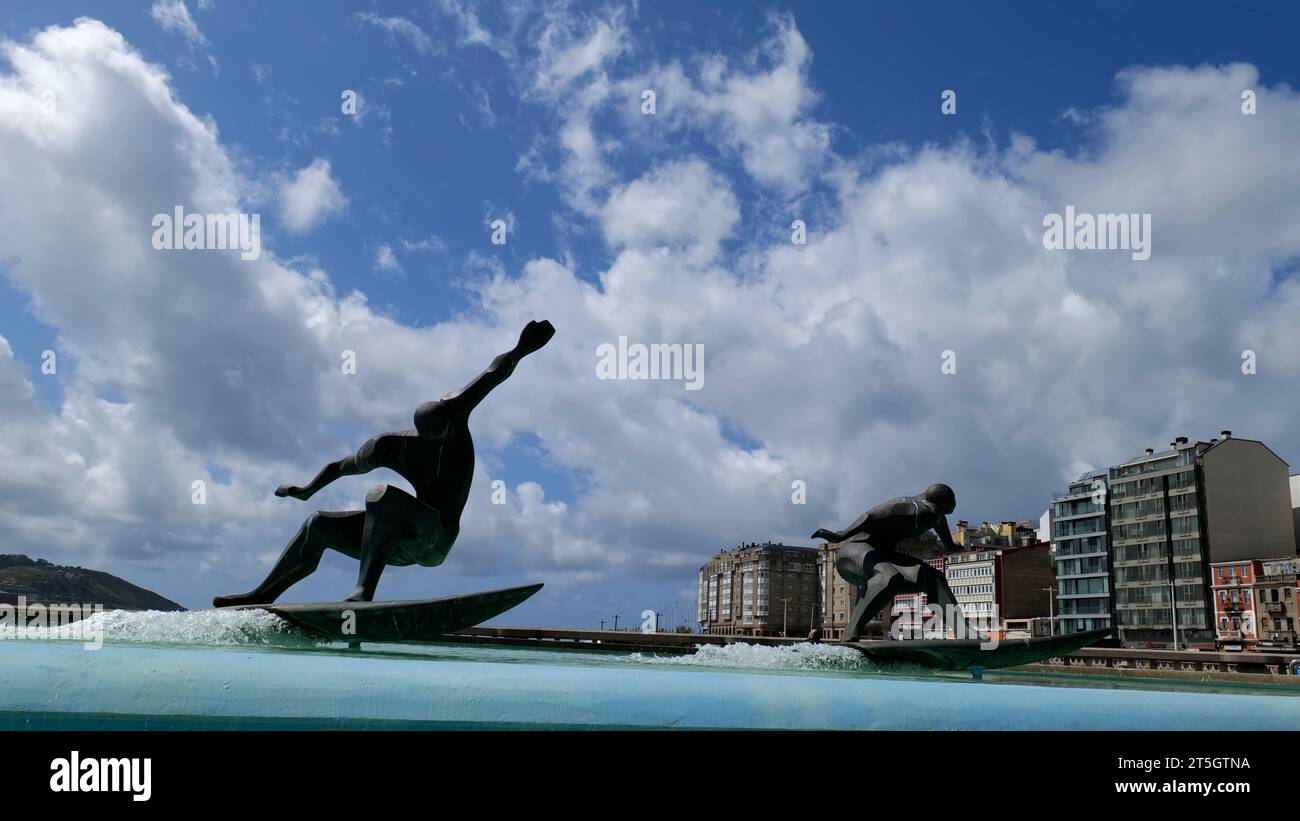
877 65
767 112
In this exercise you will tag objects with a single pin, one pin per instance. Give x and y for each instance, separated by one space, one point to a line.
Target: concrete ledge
46 685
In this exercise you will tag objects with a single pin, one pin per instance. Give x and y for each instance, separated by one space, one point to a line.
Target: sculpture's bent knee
850 562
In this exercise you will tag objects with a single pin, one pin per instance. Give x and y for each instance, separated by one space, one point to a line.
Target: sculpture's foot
241 599
360 595
294 491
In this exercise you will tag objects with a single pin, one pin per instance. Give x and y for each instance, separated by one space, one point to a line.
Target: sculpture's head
942 497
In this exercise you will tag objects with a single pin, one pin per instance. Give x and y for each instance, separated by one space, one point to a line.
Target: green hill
45 583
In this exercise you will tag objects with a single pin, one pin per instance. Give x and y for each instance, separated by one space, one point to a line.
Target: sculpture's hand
535 335
823 533
292 490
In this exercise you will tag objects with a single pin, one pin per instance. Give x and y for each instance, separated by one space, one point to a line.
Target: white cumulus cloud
310 197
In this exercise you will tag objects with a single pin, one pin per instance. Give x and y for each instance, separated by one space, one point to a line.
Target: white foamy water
764 657
201 627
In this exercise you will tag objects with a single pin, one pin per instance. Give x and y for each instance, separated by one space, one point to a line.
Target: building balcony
1134 541
1073 496
1083 514
1142 497
1078 534
1063 551
1124 563
1093 593
1145 517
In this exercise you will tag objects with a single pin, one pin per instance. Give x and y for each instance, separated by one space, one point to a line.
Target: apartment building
1277 603
757 589
1233 592
1174 513
1081 555
1002 583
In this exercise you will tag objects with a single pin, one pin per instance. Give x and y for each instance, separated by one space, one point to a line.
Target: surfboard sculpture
397 621
967 654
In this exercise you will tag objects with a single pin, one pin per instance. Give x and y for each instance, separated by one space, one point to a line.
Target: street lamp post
785 616
1173 602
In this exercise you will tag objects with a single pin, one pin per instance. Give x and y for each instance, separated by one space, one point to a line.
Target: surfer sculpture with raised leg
868 560
437 458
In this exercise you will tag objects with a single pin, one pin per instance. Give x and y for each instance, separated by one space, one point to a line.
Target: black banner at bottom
132 772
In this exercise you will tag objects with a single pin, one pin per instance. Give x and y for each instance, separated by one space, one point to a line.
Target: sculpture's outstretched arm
945 535
532 338
859 526
496 373
352 465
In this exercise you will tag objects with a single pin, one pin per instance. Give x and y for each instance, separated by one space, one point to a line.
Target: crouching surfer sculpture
396 528
871 563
